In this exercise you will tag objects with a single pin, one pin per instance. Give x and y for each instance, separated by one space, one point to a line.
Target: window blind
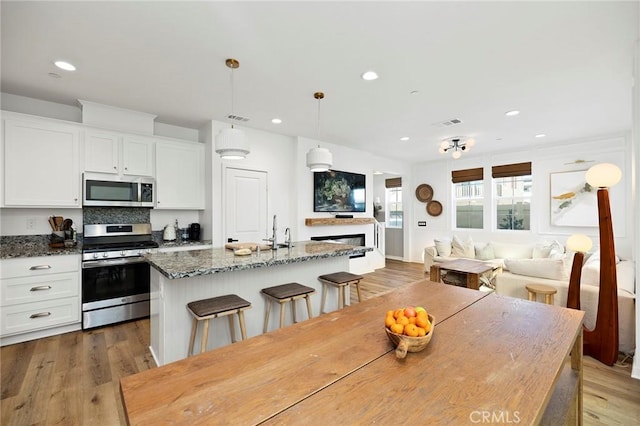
510 170
393 183
467 175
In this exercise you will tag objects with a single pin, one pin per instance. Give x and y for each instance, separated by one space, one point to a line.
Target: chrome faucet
274 238
287 236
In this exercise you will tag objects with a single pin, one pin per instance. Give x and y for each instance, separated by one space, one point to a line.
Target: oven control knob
95 255
123 253
105 254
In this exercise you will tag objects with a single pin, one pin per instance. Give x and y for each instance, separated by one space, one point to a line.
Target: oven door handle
88 264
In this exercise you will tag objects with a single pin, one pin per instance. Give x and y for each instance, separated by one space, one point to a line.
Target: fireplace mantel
331 221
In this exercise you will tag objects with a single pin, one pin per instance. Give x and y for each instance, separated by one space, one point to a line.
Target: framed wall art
573 201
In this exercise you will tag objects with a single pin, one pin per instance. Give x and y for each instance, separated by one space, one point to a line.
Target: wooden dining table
490 357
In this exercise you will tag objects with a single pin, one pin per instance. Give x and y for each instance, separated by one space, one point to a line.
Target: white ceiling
566 65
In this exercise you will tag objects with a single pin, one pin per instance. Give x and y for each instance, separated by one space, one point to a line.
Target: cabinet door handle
40 315
39 267
41 287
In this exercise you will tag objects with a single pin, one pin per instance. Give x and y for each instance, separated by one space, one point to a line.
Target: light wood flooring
73 379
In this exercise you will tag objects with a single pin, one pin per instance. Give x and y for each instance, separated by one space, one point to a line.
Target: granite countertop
191 263
19 246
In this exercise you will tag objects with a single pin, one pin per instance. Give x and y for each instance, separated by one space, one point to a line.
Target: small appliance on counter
169 233
194 232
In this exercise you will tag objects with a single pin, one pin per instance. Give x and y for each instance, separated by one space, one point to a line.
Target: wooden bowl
406 344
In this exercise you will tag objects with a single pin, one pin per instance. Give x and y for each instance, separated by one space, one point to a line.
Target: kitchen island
178 278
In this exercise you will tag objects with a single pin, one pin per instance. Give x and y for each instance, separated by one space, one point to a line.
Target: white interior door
245 205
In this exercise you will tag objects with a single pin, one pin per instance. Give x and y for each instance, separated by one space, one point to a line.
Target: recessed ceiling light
512 113
377 172
65 65
276 121
540 135
404 138
369 75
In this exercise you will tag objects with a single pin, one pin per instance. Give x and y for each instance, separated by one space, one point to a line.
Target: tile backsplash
96 215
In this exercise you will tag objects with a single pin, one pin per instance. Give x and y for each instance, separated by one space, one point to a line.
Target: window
468 194
512 185
394 202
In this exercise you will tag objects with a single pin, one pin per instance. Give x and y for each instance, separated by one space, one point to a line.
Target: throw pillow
484 252
553 269
463 249
541 250
443 246
557 250
512 250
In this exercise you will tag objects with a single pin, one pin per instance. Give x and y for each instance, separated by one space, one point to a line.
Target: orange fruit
389 313
428 327
397 328
421 321
421 332
411 330
402 320
389 321
412 320
398 312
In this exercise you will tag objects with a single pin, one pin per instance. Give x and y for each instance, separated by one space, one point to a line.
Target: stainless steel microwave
101 189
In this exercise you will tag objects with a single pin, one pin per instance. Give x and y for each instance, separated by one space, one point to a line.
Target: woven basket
406 344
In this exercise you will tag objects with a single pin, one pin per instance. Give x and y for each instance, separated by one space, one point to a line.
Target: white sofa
546 263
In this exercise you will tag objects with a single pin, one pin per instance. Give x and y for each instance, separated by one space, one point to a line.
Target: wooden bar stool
204 310
286 293
341 280
547 290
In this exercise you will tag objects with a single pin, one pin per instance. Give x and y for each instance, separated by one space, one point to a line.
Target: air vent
448 123
235 117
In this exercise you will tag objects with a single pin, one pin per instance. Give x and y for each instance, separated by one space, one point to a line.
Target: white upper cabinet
101 150
137 155
41 163
179 175
109 152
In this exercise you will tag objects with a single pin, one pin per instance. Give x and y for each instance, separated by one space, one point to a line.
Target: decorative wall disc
424 193
434 208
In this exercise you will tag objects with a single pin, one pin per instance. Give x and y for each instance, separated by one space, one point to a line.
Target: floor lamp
579 244
602 342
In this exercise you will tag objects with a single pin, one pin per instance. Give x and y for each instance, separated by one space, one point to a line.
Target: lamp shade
603 175
232 144
319 159
579 243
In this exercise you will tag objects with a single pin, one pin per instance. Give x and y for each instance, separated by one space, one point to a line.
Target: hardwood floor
73 379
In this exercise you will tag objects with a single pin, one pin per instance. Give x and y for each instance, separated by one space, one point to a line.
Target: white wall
545 160
270 152
634 190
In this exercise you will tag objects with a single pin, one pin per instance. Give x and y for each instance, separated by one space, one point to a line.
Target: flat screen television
336 192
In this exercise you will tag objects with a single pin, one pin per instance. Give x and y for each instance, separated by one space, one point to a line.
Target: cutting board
251 246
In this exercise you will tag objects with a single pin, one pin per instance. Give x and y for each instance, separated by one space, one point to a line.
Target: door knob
231 240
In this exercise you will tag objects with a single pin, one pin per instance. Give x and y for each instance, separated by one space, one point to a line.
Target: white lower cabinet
39 296
38 315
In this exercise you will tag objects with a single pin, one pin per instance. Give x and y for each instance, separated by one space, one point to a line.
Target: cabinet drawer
41 265
36 289
35 316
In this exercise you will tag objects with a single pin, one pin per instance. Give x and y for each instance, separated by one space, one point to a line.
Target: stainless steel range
115 277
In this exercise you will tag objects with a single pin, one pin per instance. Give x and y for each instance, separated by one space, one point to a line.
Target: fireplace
351 239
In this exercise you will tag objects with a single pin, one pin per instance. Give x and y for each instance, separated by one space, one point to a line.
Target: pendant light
231 143
319 159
